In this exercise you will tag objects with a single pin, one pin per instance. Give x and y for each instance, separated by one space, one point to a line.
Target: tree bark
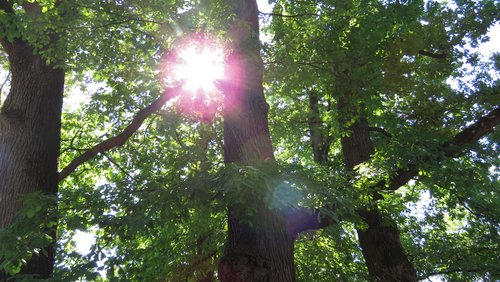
30 125
380 242
381 245
320 139
259 246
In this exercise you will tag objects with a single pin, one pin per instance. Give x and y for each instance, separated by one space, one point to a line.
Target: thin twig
111 160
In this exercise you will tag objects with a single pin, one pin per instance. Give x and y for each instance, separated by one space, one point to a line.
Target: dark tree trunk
320 139
259 246
382 249
30 125
380 242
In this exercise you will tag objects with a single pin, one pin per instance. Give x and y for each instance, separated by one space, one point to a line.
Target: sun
198 66
201 67
193 66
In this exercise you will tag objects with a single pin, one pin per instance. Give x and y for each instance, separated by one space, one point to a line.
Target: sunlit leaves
31 233
372 51
157 205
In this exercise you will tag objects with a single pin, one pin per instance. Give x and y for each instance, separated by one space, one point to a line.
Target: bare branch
121 138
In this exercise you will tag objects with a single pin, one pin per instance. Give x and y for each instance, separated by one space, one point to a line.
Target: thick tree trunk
259 246
380 242
382 250
30 125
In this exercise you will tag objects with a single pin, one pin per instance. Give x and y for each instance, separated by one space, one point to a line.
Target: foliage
27 237
373 50
157 206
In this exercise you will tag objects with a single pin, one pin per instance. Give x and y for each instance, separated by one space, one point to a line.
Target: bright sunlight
200 67
198 62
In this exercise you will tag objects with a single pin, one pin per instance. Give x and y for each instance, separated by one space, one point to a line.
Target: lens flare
195 63
199 67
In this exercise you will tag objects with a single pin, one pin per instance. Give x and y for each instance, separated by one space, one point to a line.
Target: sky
264 6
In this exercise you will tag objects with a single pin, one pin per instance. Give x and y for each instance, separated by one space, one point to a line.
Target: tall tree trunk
30 125
320 138
380 242
259 246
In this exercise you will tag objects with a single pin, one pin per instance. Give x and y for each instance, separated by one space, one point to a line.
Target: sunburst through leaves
196 63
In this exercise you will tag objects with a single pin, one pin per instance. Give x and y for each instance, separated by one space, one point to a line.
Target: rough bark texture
380 242
30 124
259 246
381 245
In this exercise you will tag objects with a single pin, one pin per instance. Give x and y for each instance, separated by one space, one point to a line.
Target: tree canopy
382 118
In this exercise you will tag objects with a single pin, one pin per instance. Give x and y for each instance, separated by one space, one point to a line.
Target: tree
259 246
39 38
363 121
348 42
30 120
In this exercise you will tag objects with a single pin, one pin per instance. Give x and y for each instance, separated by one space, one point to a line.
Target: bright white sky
264 6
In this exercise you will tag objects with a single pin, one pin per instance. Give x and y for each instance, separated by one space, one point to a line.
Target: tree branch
124 18
119 167
302 219
121 138
472 269
483 126
470 134
380 130
433 55
288 16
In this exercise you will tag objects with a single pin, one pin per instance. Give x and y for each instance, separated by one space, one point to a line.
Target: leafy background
156 206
